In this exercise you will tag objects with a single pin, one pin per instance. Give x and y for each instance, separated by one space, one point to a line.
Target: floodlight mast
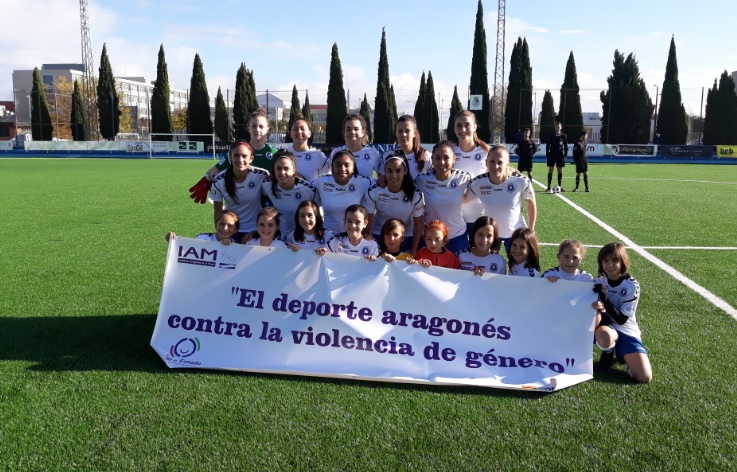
88 82
497 102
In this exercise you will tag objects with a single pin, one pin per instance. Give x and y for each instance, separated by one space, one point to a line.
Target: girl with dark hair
351 241
524 254
309 230
311 162
483 254
409 142
286 190
354 133
267 224
470 153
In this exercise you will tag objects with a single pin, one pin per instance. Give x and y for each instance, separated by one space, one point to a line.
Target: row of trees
626 104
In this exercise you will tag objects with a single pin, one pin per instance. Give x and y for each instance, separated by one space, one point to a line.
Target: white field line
686 248
706 294
653 179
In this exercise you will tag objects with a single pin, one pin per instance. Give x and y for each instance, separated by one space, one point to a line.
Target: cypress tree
434 128
78 117
221 118
366 114
672 122
160 107
251 102
420 113
455 107
385 107
569 111
526 84
479 84
547 117
240 104
293 112
627 120
307 110
108 102
41 127
709 135
720 124
198 108
514 88
337 107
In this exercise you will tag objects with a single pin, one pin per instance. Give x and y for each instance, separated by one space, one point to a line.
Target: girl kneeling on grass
618 333
352 241
435 252
225 228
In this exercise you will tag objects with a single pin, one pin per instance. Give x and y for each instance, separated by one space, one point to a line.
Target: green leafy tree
569 112
108 102
293 112
198 107
420 114
626 105
366 114
307 110
514 89
160 106
337 106
672 121
455 107
547 117
222 127
433 135
479 75
41 127
78 117
385 106
720 120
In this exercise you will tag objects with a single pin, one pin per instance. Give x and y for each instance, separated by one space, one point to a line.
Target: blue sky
289 42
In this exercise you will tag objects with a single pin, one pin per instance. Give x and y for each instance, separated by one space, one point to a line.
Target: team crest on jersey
366 157
298 195
307 157
510 187
351 188
494 267
365 251
251 184
453 184
477 157
405 198
268 155
623 292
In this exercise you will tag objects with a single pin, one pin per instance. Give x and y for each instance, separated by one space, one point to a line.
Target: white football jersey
624 296
310 163
207 237
444 199
503 202
522 271
578 276
412 161
248 193
493 263
341 245
287 201
367 160
336 198
275 243
385 205
473 162
310 240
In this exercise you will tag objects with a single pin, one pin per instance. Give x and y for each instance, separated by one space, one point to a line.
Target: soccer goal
181 147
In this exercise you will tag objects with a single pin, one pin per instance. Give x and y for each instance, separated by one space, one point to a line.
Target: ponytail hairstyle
417 149
533 252
299 231
482 221
256 114
364 125
389 225
281 154
476 140
233 215
229 176
408 185
270 212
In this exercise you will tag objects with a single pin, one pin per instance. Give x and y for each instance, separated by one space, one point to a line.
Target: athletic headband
399 158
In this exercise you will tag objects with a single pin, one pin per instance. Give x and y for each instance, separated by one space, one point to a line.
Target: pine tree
720 125
455 107
41 127
307 110
672 122
160 107
198 108
525 119
479 84
366 113
385 108
222 127
547 117
569 112
108 102
627 119
433 135
337 107
293 112
420 114
78 117
512 108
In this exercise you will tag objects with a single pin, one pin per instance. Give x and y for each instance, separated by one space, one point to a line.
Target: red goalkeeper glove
200 190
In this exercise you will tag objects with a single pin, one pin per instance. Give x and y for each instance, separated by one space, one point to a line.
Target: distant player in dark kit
556 152
526 148
582 163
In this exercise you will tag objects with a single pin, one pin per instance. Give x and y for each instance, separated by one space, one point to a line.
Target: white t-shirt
493 263
412 161
310 163
207 237
385 205
473 162
275 243
578 276
503 202
444 199
248 193
336 198
624 297
522 271
341 245
310 240
367 160
287 201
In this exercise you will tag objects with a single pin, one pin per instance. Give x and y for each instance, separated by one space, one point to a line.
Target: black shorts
582 165
559 161
524 164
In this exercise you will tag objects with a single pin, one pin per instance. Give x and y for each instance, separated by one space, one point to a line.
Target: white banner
6 145
272 310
